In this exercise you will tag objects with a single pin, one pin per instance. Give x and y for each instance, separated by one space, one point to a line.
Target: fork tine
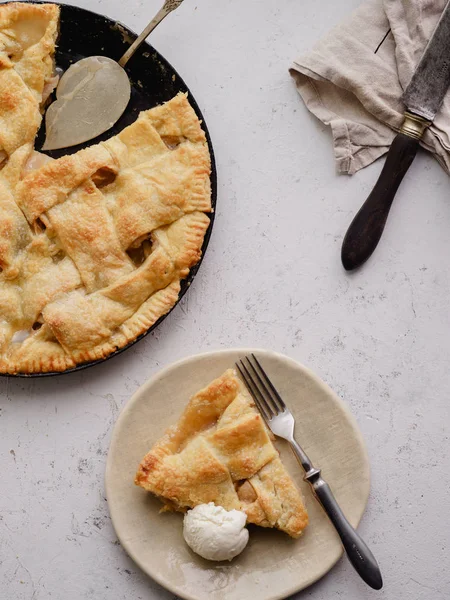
281 404
263 408
273 401
262 388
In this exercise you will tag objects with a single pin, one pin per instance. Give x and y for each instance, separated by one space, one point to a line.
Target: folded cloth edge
353 79
349 158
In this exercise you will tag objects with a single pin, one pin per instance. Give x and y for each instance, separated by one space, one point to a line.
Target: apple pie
221 451
93 245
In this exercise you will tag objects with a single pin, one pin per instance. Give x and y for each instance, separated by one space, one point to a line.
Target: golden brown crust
107 236
52 184
220 451
81 322
93 246
27 44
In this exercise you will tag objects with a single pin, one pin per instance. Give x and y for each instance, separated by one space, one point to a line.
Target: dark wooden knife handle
366 228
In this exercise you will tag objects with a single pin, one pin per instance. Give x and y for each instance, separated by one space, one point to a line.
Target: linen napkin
353 80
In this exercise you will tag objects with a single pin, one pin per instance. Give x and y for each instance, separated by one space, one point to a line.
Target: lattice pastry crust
221 451
93 246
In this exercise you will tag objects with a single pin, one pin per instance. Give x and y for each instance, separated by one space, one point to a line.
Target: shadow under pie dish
93 245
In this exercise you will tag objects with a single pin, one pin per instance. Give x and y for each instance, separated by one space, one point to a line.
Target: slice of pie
221 451
94 245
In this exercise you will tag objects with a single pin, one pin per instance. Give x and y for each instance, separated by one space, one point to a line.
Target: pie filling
221 451
94 245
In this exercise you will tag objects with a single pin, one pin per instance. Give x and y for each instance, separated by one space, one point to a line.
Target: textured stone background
271 278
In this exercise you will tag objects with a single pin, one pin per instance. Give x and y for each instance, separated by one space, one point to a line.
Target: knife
422 98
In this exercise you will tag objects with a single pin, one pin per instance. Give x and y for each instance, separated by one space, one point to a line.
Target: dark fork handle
357 551
365 230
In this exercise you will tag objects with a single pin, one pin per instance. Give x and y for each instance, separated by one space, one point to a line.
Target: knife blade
431 79
422 98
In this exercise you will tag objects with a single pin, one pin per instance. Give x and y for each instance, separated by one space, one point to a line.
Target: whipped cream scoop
215 533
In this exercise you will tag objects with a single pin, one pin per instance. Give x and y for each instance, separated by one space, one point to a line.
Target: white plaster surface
271 278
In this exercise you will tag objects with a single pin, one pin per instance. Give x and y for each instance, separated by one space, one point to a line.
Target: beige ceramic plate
273 565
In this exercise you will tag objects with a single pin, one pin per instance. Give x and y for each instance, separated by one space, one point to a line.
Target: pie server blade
93 94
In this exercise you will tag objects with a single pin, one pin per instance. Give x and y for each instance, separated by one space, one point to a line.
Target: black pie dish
153 81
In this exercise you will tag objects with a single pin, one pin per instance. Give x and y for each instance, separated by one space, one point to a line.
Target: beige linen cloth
353 79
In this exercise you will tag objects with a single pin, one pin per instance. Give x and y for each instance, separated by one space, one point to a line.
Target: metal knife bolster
414 126
430 81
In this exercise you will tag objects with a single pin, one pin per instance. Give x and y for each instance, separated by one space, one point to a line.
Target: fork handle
357 551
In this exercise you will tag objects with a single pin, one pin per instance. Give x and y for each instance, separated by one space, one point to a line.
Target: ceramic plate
273 565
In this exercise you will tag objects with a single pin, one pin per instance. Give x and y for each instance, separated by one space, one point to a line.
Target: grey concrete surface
271 278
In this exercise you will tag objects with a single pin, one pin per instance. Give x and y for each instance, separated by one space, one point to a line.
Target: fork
280 421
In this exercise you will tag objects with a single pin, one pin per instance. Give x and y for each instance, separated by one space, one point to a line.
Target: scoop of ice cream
215 533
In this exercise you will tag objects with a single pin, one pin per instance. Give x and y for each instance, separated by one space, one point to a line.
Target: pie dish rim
182 87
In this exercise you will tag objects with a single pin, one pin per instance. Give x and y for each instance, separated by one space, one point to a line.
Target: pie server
93 93
423 98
